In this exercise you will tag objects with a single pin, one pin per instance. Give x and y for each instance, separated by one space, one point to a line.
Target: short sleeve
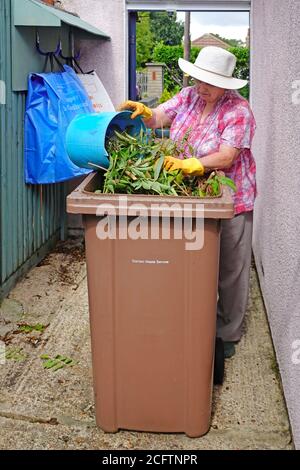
238 127
172 106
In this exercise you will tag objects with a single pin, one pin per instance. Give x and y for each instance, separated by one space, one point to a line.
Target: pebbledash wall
109 60
276 104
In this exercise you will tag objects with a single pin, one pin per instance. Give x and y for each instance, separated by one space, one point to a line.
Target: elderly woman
220 127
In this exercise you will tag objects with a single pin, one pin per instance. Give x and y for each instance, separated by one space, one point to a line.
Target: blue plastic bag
53 100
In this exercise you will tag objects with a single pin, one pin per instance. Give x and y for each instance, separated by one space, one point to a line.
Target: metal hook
76 57
56 52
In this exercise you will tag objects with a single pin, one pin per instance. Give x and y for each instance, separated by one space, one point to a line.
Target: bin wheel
219 362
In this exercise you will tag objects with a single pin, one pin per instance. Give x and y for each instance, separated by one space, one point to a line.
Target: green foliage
30 328
245 92
152 28
144 40
159 39
137 166
169 55
165 28
228 182
167 95
59 362
243 59
242 70
194 53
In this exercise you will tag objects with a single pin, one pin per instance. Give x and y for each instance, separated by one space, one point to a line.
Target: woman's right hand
139 109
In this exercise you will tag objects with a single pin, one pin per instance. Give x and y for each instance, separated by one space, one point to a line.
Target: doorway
193 6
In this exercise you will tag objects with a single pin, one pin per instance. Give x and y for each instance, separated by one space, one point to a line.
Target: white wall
275 36
108 58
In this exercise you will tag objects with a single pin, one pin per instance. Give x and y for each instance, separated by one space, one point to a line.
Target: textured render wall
108 58
275 66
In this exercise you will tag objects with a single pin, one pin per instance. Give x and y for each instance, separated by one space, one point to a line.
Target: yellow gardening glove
139 109
189 166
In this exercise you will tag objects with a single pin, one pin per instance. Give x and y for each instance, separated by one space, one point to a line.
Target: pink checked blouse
230 123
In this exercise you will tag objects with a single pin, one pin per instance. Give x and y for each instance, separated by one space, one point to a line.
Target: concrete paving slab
43 409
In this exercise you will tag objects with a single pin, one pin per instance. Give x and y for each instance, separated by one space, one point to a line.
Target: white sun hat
215 66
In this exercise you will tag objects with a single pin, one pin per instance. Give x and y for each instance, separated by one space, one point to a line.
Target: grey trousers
234 275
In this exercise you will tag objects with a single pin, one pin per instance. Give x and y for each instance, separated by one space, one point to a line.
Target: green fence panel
30 216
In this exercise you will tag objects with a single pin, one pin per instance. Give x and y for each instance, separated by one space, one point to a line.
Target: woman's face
208 93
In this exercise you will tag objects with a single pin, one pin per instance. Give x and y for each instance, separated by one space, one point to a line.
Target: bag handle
72 61
51 57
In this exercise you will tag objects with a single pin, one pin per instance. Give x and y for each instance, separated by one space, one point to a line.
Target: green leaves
158 166
227 182
15 354
59 362
146 185
153 27
144 40
212 187
30 328
165 27
137 166
215 186
170 55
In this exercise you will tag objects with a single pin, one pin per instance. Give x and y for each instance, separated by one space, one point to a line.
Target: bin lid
83 200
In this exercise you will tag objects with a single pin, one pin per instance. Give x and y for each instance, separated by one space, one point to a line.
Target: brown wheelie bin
152 307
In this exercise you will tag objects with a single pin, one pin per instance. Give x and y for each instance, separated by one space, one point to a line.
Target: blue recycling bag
53 100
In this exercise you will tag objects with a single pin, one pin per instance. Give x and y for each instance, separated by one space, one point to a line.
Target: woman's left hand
189 166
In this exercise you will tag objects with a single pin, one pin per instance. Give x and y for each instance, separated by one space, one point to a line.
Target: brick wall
208 40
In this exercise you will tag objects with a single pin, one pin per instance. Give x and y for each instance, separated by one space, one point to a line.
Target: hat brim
229 83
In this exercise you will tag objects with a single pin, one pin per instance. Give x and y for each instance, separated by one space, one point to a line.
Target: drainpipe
132 55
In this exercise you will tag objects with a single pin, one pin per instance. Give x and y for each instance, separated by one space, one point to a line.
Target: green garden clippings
30 328
58 362
136 166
